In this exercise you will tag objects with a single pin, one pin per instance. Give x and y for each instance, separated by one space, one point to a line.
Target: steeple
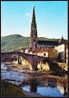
33 17
33 35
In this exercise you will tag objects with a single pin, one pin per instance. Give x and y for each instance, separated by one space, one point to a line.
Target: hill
15 42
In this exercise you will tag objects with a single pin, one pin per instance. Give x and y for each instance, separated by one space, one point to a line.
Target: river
36 86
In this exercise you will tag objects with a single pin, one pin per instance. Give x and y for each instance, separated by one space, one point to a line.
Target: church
46 44
34 42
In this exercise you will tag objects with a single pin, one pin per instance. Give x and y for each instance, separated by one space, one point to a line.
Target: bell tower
33 33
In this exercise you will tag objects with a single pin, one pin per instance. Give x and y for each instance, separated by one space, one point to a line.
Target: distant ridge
14 42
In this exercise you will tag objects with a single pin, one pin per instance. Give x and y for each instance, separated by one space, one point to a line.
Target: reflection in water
41 89
44 88
52 83
60 88
48 91
33 85
44 91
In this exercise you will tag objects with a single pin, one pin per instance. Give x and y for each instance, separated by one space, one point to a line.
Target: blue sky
51 18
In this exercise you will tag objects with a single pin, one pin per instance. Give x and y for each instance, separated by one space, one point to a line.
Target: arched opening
44 54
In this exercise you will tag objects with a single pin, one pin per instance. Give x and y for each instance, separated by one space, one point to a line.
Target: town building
62 49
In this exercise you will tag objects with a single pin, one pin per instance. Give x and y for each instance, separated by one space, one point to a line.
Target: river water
44 88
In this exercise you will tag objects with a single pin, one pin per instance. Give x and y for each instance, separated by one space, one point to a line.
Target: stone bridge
33 59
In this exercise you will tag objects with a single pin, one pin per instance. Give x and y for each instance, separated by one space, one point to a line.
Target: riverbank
9 89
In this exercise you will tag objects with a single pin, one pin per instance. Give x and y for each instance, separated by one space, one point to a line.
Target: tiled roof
40 50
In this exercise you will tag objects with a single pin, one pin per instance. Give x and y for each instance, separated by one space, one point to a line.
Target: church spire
33 17
33 39
33 11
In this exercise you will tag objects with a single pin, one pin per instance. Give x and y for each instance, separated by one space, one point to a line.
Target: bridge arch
34 61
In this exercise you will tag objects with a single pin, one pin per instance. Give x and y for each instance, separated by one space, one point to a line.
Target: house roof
40 50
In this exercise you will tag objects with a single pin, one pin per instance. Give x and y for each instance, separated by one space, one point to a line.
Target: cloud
28 14
27 17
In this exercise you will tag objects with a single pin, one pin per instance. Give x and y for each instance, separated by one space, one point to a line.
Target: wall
61 52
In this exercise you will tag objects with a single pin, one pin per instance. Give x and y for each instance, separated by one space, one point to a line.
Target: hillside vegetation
15 42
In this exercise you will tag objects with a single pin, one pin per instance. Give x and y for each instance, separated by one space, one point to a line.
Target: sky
51 18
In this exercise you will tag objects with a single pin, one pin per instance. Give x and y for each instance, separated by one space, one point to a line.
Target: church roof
48 42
